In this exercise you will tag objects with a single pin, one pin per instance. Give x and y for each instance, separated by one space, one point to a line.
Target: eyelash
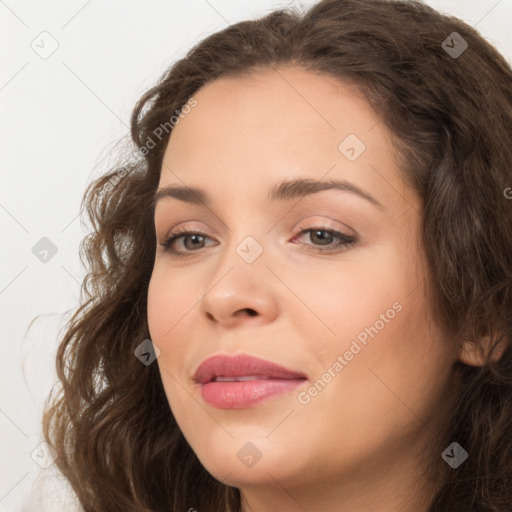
346 241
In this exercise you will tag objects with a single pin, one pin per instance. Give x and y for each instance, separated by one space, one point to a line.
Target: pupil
323 238
195 237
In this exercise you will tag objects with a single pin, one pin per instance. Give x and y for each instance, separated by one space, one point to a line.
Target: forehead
280 124
286 107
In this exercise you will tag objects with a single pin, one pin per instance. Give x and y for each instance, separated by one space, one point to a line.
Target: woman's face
353 322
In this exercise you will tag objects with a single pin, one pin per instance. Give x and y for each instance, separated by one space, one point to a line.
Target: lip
243 380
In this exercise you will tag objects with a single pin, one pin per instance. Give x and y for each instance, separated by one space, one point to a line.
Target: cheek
382 397
170 317
344 302
167 306
158 306
158 310
170 300
173 299
394 359
391 371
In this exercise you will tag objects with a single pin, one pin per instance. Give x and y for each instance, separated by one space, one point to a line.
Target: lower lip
244 394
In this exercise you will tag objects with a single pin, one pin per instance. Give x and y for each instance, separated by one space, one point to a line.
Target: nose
239 292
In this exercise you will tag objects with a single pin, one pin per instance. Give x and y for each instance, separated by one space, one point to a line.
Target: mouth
241 381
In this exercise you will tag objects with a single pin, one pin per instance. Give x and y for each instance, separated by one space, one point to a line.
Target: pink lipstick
238 382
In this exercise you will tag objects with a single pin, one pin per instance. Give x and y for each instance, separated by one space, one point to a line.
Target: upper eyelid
315 220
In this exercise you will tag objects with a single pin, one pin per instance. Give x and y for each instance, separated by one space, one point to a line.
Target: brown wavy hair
118 443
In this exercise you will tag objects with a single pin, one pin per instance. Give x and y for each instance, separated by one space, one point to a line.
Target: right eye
172 237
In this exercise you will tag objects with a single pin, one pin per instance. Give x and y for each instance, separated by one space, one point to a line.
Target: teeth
239 379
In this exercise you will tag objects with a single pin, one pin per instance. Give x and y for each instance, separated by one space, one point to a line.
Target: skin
361 443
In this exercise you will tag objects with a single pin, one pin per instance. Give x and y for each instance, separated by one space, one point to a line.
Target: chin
240 462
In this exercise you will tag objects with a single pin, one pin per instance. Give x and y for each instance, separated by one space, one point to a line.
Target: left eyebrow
285 191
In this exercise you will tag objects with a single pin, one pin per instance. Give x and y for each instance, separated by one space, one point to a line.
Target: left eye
323 235
344 241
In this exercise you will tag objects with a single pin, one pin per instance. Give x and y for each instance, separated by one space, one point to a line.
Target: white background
59 118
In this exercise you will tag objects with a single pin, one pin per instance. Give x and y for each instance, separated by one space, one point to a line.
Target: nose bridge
246 236
242 250
238 269
239 278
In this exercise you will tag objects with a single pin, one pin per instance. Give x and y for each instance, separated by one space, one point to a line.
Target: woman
299 294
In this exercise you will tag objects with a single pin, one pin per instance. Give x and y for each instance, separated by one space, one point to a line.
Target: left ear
475 353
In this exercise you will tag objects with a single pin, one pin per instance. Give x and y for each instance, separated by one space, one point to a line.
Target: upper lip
242 365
